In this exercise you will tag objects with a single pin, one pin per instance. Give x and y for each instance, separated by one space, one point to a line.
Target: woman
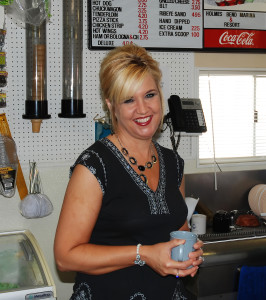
125 195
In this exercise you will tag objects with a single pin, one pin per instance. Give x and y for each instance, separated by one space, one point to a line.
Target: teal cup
181 252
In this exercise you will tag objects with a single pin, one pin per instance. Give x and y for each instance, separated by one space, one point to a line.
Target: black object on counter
221 221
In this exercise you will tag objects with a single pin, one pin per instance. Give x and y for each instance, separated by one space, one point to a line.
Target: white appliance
24 273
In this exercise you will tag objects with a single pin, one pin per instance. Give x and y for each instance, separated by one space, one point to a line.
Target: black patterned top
132 213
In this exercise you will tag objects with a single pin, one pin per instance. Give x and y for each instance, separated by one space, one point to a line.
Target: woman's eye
128 101
150 95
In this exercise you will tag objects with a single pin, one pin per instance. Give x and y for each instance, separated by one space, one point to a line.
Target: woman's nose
141 106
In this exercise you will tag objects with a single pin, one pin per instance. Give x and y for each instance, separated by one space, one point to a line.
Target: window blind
234 106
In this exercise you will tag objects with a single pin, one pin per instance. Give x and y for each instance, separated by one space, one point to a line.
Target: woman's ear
109 104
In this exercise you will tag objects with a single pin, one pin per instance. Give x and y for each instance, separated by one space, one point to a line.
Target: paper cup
198 224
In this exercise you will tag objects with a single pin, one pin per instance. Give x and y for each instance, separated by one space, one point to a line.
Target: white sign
151 24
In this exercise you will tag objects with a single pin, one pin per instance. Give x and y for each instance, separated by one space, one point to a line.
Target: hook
100 120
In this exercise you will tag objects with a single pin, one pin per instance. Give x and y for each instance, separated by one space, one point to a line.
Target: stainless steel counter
238 233
224 255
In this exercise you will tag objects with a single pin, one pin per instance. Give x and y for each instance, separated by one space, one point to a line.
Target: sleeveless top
132 213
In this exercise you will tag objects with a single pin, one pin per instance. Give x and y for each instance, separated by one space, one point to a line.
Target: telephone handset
186 114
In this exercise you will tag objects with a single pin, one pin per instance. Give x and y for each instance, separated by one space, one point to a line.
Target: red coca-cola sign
242 39
226 38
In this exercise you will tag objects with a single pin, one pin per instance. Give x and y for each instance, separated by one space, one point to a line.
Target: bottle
8 166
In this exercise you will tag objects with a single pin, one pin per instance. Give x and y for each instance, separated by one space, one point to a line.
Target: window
234 105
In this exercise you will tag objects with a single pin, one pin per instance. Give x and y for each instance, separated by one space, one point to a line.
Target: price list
149 23
143 20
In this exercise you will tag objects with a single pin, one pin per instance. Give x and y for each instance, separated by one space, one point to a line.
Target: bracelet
138 260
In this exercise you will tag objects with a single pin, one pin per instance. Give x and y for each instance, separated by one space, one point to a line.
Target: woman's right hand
158 257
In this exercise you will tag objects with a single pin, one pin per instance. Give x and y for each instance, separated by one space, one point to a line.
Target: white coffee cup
198 223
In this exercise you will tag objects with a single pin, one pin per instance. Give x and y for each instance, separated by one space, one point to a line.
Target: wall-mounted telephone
186 115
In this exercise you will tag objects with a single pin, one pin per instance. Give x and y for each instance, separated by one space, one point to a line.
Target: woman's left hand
197 255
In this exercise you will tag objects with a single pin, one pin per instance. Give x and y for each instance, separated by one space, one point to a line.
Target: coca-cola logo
244 38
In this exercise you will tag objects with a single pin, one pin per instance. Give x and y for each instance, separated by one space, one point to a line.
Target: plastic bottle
8 166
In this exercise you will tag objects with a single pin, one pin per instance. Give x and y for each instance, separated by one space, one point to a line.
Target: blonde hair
122 72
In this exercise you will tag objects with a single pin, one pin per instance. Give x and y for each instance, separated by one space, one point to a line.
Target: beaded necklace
133 161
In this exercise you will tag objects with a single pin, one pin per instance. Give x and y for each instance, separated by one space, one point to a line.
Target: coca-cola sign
237 39
242 39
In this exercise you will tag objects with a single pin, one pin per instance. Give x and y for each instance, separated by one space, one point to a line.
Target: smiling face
139 116
121 78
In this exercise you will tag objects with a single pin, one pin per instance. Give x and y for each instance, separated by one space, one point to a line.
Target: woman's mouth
143 121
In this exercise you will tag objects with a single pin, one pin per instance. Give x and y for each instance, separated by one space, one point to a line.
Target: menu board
178 24
151 24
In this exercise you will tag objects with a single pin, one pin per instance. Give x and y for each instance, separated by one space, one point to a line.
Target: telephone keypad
193 119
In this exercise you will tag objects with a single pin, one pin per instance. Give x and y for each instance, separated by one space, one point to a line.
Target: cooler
24 273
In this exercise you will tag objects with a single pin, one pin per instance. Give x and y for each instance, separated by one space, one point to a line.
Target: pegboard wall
61 139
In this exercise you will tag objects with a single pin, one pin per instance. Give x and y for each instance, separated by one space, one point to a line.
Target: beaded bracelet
138 260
